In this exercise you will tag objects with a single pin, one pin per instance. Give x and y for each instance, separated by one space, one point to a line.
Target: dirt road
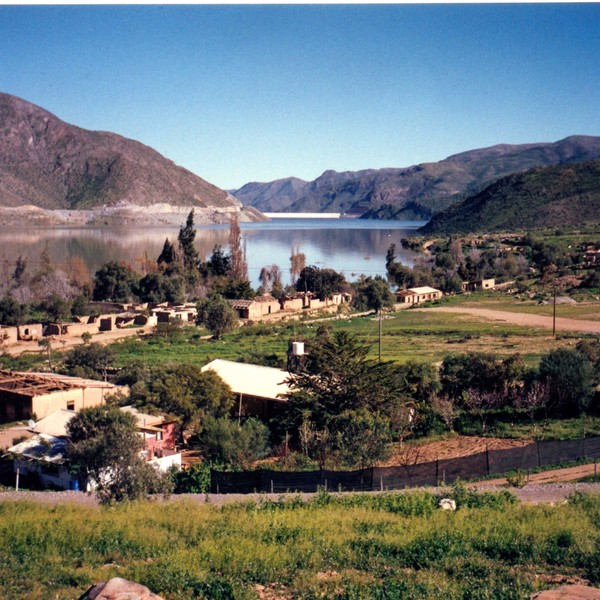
66 342
527 320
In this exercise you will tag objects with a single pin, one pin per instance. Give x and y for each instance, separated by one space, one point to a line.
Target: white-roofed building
259 389
418 294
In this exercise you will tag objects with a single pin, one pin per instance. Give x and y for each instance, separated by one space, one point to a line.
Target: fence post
537 447
381 482
271 486
487 459
437 471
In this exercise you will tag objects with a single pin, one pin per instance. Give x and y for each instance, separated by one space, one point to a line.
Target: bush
239 446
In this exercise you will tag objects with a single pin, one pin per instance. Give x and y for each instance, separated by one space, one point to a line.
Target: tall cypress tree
187 236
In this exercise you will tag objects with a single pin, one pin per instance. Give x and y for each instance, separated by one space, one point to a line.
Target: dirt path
66 342
554 476
527 320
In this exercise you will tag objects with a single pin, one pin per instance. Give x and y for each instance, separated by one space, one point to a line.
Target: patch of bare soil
452 448
527 320
67 342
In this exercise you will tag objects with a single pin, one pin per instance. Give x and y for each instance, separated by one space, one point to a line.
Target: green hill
567 194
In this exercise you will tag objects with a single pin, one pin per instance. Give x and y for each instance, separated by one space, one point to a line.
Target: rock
119 589
569 592
447 504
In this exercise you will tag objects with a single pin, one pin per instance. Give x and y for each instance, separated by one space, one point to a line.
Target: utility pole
554 313
380 335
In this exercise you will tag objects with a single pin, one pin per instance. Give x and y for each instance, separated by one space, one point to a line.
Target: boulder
569 592
119 589
447 504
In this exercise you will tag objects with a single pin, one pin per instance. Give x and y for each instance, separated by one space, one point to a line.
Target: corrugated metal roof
42 447
251 380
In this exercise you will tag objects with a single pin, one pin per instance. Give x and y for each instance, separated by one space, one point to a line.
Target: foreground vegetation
369 546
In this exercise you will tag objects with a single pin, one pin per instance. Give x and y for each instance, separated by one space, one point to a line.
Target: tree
57 308
168 257
46 344
239 266
104 446
116 282
569 377
337 377
156 287
482 372
186 238
373 294
184 392
480 402
19 272
226 442
217 315
12 312
297 264
322 282
219 264
390 257
362 438
91 361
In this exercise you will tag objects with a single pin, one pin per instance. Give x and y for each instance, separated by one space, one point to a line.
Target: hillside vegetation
555 196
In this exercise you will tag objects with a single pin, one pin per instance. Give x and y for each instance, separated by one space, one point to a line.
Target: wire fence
411 473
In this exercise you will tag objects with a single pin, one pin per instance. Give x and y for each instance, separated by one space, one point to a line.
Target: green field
406 335
357 546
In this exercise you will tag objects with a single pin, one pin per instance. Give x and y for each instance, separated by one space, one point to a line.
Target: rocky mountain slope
49 164
543 197
416 192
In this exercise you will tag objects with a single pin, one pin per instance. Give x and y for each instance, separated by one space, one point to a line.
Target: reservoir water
351 246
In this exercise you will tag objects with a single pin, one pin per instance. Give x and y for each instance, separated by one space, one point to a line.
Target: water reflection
351 246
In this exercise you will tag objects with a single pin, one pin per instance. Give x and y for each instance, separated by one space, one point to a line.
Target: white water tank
297 348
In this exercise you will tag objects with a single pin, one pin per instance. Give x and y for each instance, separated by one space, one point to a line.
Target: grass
368 546
406 335
550 429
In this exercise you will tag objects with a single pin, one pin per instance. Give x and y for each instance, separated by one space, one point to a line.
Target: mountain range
49 164
416 192
557 196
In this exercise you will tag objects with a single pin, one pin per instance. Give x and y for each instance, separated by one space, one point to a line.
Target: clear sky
254 93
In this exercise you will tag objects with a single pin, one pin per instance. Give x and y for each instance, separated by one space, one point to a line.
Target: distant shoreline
280 215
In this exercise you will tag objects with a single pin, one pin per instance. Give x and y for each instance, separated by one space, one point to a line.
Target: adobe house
257 307
480 284
31 332
23 395
72 329
417 295
292 303
258 389
184 313
146 320
8 335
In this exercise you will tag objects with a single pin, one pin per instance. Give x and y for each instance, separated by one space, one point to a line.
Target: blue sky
254 93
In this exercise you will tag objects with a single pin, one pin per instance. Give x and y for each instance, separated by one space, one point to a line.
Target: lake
351 246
